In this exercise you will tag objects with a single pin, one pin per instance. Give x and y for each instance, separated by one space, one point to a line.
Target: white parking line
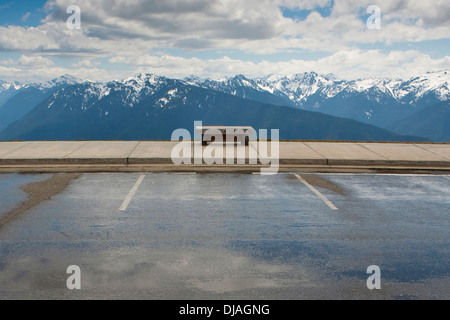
317 192
130 195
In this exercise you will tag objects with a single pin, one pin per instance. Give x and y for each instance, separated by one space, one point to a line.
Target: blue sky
22 12
212 38
302 14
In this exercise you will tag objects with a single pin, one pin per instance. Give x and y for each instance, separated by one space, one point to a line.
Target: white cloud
42 74
131 31
348 64
15 38
430 13
88 63
26 16
345 64
34 62
255 26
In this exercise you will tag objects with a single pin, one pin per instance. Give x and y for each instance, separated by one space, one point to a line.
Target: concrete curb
158 168
154 154
282 162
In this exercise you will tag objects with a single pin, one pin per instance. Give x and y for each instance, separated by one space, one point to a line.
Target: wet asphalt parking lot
228 236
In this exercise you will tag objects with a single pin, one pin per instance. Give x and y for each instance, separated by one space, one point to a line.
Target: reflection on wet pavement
225 236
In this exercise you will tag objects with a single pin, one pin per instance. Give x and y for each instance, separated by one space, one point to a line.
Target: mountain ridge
434 123
379 102
149 107
21 99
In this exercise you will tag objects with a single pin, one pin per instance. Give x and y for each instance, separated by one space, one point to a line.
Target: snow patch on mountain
436 83
64 80
4 86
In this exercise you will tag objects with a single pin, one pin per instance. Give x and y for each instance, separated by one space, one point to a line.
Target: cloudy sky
216 38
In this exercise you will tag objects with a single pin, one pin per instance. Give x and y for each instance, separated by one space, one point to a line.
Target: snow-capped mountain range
297 88
9 89
379 102
301 87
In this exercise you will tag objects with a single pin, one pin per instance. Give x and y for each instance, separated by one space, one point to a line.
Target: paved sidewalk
155 153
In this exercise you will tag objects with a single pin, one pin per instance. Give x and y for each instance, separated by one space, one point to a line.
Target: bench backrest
223 129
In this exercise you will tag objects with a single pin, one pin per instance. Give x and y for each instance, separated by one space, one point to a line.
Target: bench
241 134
